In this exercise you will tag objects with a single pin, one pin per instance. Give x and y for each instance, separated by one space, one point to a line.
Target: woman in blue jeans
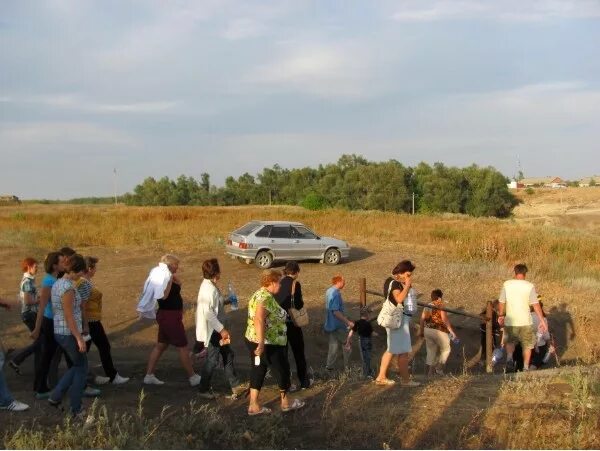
66 305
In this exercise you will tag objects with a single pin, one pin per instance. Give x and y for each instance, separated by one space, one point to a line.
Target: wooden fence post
363 292
489 339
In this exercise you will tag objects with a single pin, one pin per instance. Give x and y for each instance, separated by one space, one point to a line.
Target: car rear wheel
263 260
332 257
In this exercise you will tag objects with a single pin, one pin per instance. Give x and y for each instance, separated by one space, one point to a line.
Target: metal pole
115 183
363 292
489 339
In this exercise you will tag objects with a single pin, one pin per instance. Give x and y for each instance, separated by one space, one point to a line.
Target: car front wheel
263 260
332 257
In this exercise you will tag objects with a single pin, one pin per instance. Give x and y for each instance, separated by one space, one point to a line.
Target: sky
164 88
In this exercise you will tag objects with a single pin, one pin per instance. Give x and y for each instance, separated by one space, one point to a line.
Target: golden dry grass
554 252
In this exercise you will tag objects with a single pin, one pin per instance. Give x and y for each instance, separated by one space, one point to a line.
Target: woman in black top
294 333
170 327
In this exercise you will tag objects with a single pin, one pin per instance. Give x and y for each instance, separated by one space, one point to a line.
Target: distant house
586 181
515 185
9 200
546 182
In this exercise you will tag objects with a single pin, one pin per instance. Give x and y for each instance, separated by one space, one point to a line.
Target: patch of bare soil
343 412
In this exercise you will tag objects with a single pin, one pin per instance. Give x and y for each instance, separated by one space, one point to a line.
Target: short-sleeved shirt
518 295
389 289
333 303
93 306
47 282
275 327
363 328
84 287
435 320
28 286
60 287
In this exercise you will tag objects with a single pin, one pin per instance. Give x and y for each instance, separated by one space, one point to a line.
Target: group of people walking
65 318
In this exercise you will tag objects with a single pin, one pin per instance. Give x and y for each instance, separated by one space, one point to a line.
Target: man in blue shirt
336 323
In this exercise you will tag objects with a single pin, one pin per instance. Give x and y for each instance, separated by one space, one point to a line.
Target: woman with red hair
29 306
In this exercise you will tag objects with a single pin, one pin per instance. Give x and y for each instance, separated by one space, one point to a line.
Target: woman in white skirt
399 345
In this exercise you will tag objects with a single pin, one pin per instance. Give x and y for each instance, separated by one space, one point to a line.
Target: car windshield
247 229
303 232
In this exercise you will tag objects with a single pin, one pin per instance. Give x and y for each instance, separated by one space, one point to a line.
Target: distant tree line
352 183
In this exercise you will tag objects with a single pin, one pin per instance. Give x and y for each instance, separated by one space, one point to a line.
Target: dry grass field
467 258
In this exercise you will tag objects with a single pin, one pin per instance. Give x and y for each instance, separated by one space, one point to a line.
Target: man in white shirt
515 298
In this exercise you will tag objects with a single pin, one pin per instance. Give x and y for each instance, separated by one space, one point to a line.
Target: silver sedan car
266 241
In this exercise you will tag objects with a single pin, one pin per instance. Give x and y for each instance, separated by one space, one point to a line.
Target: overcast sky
155 88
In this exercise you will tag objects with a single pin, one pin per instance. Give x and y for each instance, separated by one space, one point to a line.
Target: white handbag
390 315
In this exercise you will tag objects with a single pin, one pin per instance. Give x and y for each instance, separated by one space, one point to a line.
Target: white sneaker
119 379
91 392
194 380
151 379
101 380
15 406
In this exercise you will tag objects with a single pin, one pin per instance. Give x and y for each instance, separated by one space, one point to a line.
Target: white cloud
80 103
243 28
40 136
173 24
324 70
508 10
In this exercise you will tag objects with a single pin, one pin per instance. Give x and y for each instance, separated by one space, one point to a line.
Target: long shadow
562 327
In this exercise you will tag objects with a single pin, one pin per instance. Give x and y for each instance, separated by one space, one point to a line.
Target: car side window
280 232
302 232
264 232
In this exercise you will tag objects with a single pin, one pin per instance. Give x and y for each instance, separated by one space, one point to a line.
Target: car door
306 242
280 241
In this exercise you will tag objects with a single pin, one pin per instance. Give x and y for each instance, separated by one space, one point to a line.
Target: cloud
510 10
243 28
171 26
80 103
68 136
337 70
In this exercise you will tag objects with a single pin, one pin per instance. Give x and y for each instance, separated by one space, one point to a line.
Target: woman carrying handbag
290 299
397 288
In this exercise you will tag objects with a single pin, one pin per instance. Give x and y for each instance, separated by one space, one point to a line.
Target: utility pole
413 203
115 183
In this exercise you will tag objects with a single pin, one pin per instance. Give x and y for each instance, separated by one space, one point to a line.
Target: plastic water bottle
497 355
232 296
411 301
454 339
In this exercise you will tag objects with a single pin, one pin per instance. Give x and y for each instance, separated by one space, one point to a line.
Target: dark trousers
46 352
100 339
366 347
274 357
537 356
19 356
214 351
296 342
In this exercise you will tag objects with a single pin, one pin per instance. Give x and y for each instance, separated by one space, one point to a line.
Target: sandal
297 404
262 411
385 382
